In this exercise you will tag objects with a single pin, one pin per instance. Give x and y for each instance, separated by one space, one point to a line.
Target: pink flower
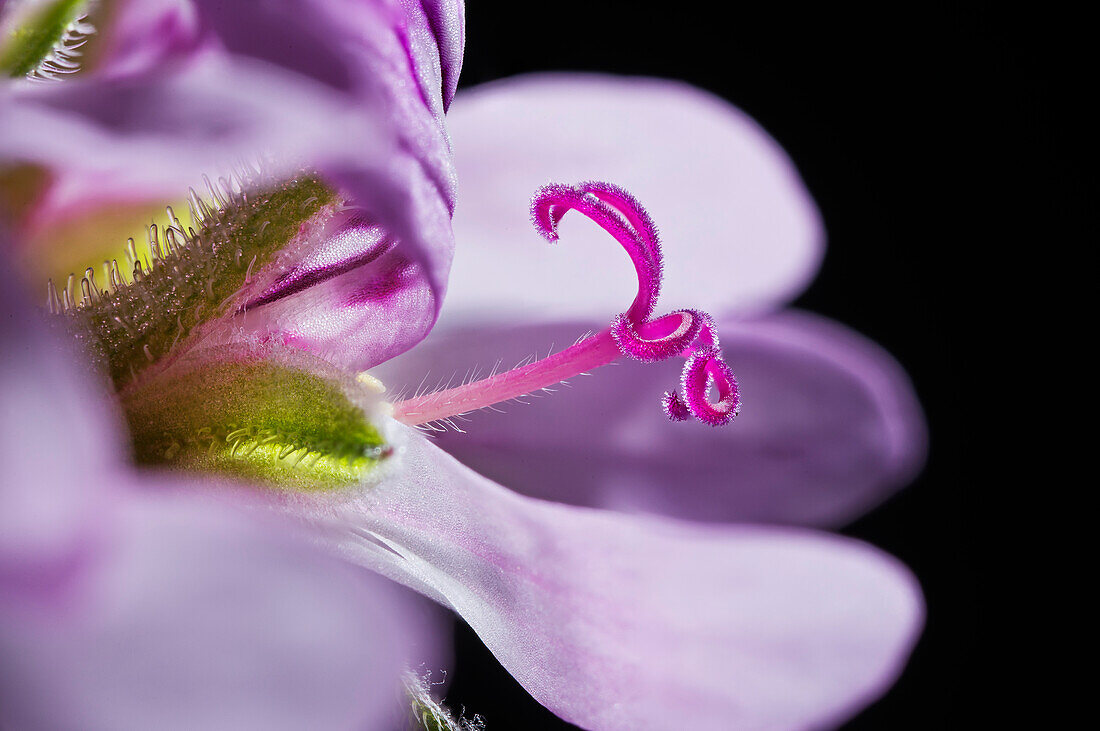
611 620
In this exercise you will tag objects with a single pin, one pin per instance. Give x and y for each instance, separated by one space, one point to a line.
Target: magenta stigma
689 334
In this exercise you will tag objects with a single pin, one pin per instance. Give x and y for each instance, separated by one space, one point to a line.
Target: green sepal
264 414
429 714
126 329
31 42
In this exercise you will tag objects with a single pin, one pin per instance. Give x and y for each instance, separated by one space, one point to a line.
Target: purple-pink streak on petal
447 21
626 622
357 301
831 426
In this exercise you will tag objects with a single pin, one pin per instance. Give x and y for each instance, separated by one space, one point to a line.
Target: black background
885 115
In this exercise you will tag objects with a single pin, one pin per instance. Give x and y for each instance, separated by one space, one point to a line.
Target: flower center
257 410
690 334
190 278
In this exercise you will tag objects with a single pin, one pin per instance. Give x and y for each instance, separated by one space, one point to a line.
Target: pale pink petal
61 444
739 229
128 602
627 622
203 118
134 36
830 425
191 616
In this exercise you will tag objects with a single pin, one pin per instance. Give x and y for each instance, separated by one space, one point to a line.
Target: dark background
886 116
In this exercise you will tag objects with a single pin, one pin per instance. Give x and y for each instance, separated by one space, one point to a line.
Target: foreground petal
627 622
740 229
135 36
830 428
131 603
57 436
191 616
201 118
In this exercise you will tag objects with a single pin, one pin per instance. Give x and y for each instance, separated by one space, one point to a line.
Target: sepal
264 413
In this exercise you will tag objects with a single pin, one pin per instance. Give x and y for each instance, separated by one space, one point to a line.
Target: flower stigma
690 334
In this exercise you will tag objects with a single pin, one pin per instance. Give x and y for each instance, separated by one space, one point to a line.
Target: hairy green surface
126 328
256 419
30 43
428 714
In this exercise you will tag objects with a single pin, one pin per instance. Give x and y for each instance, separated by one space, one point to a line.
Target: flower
612 621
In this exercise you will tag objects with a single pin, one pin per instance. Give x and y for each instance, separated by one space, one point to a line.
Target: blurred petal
192 617
61 444
739 228
299 35
830 427
167 131
132 603
627 622
135 36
